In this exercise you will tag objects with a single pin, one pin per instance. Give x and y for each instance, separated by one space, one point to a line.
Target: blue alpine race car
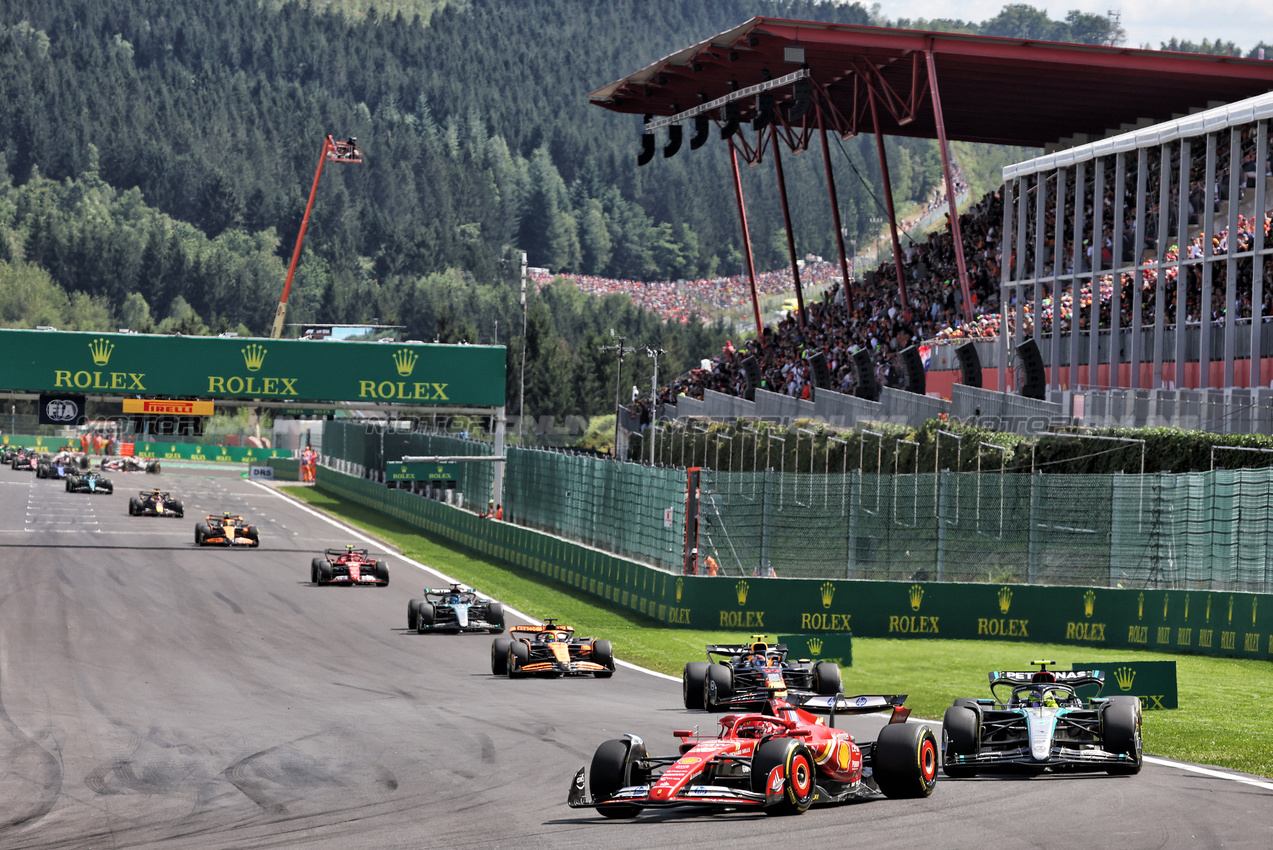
1036 722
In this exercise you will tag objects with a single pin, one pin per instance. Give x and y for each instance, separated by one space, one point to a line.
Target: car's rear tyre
904 760
413 612
718 686
693 683
612 769
314 567
495 616
798 774
961 736
177 508
382 573
424 618
603 654
252 534
154 468
1120 727
68 485
826 678
499 656
518 655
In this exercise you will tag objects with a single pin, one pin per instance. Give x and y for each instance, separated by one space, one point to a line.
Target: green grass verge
1224 703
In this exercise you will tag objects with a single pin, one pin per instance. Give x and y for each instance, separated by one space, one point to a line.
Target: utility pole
654 396
618 387
521 406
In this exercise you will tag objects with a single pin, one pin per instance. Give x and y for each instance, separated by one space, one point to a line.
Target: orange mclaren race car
550 649
226 530
780 760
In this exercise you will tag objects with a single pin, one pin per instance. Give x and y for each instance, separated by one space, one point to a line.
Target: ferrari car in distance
780 760
226 530
155 503
130 464
455 609
746 675
550 649
89 482
349 566
1036 722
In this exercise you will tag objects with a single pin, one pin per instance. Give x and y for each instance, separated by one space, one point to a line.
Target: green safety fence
1168 620
625 508
1210 530
371 447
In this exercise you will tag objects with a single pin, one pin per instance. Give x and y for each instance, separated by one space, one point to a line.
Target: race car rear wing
863 704
741 648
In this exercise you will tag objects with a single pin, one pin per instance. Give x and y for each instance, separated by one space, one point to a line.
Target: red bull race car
780 760
226 530
745 675
550 649
155 503
349 566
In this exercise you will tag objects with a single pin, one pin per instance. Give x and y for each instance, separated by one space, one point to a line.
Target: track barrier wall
1203 622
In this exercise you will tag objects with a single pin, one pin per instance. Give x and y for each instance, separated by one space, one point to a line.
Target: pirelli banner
1190 621
214 367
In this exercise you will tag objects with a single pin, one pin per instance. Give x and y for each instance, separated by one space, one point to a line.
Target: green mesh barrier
619 507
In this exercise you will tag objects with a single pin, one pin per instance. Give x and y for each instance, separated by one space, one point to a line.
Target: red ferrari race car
550 649
781 761
349 566
226 530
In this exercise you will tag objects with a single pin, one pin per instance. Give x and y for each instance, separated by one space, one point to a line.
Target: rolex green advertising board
216 367
1153 682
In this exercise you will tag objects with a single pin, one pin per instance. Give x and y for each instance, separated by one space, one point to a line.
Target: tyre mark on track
32 764
234 606
62 577
289 603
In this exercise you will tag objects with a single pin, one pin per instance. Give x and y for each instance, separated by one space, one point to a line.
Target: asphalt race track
153 694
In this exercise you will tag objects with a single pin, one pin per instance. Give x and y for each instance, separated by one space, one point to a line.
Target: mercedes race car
1037 722
130 464
89 482
454 609
8 453
780 760
155 503
746 675
349 566
226 530
550 649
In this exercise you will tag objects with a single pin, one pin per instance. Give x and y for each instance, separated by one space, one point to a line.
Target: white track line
1205 771
1214 774
348 529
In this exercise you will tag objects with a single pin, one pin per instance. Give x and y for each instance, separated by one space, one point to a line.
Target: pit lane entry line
372 542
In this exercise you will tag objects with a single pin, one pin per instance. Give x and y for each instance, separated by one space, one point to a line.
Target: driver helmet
1034 698
549 637
1050 698
453 600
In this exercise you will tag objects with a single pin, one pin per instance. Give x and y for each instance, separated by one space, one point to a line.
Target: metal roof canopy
998 90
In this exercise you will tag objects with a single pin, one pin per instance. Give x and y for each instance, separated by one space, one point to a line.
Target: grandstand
790 79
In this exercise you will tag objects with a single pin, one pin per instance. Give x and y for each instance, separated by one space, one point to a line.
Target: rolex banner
1153 681
837 648
269 369
62 409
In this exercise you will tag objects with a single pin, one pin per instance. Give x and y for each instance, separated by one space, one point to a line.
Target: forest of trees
156 157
